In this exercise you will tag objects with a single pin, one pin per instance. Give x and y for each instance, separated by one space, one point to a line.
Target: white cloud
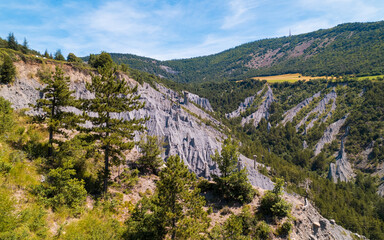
240 12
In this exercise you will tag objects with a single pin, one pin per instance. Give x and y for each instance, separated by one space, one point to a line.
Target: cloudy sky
169 29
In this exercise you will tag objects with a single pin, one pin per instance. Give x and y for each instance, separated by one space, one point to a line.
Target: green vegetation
112 135
7 70
56 96
176 209
150 161
233 183
338 51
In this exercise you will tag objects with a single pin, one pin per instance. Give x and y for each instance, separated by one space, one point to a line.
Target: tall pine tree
56 97
111 134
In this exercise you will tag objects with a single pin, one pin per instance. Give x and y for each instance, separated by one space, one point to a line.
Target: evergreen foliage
72 58
176 210
6 118
233 183
102 60
56 97
111 134
59 56
7 70
272 203
150 159
12 42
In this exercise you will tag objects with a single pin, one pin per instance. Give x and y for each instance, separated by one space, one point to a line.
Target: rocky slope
183 127
262 110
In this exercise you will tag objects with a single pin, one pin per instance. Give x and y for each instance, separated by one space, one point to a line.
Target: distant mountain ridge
347 49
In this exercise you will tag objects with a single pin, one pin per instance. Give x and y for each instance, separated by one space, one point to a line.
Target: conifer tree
12 42
150 159
175 211
56 97
59 56
233 183
7 70
109 132
46 54
179 203
25 47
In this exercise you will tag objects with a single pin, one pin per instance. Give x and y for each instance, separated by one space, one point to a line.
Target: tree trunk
50 142
106 169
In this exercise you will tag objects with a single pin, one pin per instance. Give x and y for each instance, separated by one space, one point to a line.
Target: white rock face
342 170
291 113
202 102
184 134
262 111
243 106
320 109
329 134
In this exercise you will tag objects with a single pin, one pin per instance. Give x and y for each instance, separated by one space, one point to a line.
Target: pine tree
12 42
56 97
46 54
233 183
25 47
7 70
150 159
59 56
111 134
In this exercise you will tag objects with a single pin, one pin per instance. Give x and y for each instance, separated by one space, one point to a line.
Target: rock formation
329 134
243 106
320 108
291 113
262 110
202 102
342 169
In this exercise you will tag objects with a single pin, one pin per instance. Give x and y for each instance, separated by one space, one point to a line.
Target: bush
6 118
285 229
61 189
7 70
272 204
263 231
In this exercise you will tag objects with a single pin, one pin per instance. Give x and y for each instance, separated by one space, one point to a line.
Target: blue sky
169 29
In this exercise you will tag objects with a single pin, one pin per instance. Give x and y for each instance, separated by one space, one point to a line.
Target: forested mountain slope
347 49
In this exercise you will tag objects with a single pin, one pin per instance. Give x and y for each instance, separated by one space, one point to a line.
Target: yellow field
286 78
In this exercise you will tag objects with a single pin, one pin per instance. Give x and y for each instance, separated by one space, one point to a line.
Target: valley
231 133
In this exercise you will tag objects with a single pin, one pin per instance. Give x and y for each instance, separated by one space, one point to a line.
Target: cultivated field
287 78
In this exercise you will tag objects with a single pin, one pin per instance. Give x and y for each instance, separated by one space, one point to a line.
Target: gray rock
319 110
342 170
262 111
243 106
330 134
202 102
290 114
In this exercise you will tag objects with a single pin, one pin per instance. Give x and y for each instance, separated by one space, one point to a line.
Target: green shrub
6 118
263 231
285 229
271 204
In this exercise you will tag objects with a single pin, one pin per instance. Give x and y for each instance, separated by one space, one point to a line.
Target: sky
170 29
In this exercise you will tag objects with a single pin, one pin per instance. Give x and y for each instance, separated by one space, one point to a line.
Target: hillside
188 130
347 49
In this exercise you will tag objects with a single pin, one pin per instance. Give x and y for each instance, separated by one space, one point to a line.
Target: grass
370 77
294 77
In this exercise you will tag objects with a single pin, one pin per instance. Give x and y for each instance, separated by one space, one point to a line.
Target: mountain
347 49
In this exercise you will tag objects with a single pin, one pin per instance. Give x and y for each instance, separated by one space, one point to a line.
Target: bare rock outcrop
243 106
202 102
262 111
309 224
329 134
342 169
290 114
320 108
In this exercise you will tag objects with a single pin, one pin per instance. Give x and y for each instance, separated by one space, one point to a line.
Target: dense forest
347 49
